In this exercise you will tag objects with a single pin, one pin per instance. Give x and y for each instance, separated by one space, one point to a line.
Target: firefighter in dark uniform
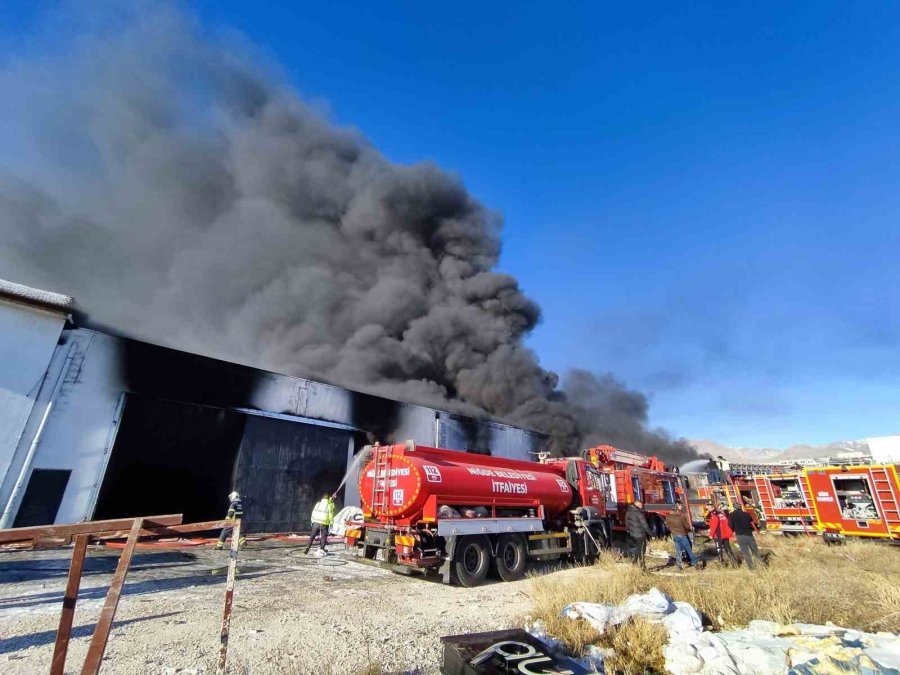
638 530
235 510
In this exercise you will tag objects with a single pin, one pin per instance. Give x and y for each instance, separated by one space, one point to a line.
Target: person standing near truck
720 532
638 530
680 526
322 518
742 525
753 512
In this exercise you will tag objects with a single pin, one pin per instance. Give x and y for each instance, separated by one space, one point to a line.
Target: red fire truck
634 476
786 502
703 495
837 501
857 501
461 515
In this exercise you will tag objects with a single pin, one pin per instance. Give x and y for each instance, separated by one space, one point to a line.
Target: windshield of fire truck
669 492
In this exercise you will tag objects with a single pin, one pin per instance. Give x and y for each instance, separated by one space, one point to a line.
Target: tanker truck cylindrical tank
412 476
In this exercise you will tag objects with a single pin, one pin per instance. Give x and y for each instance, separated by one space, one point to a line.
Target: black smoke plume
186 195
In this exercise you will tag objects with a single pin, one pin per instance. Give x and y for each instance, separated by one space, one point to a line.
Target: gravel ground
292 614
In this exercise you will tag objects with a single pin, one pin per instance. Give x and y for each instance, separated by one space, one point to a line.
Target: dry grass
636 648
856 585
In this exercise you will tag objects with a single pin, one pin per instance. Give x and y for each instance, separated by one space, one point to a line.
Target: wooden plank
90 527
68 609
172 530
95 652
155 530
229 597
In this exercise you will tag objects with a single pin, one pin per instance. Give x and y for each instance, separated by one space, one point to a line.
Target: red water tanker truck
462 515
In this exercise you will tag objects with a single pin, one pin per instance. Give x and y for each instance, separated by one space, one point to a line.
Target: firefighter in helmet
235 511
322 518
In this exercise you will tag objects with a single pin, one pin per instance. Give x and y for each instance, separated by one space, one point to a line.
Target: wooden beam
95 652
229 597
90 527
172 530
68 609
192 527
167 530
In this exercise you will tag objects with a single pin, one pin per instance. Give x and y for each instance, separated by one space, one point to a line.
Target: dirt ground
293 614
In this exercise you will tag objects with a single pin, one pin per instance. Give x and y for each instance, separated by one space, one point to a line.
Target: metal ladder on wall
886 496
380 485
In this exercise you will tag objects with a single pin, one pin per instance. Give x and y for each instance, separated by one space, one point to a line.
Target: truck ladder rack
766 497
886 496
381 482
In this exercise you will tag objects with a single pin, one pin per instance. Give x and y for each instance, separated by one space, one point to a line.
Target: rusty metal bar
90 527
68 610
104 624
229 596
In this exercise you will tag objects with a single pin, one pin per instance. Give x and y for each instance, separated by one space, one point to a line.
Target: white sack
346 518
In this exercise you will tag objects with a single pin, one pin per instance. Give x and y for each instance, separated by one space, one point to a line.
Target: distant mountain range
765 455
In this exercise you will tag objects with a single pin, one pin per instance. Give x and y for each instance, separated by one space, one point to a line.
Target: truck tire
512 558
471 560
369 552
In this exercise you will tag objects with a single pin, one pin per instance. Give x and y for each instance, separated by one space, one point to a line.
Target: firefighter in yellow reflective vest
235 510
322 518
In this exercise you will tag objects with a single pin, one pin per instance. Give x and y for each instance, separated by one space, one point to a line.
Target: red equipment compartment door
846 500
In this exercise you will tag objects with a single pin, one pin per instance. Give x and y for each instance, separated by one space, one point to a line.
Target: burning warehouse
97 426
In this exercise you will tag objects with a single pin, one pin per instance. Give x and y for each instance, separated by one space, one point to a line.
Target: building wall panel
81 421
28 338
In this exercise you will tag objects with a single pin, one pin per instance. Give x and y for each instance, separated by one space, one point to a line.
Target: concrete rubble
762 648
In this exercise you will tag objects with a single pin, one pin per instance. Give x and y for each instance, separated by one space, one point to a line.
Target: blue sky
704 199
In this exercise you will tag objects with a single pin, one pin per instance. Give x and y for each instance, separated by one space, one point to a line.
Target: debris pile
763 647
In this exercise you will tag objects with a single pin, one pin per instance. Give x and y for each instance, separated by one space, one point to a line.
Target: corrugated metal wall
284 468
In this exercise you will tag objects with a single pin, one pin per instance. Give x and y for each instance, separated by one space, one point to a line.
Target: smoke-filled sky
701 200
184 193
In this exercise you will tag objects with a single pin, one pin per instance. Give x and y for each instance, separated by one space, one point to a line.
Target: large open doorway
171 457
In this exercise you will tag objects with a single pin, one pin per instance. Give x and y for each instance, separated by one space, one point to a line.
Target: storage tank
414 474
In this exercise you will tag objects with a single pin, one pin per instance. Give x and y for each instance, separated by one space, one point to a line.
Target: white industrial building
94 425
885 449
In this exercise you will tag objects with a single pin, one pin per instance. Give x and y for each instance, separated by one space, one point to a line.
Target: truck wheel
596 542
472 560
369 552
511 559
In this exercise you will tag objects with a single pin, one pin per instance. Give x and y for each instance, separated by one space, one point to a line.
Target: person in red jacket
720 532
